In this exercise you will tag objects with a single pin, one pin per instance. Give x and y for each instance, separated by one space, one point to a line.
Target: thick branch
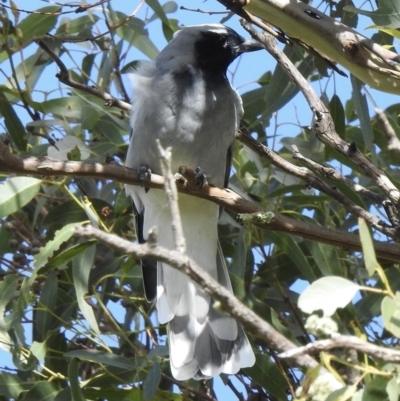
368 61
226 198
346 342
251 321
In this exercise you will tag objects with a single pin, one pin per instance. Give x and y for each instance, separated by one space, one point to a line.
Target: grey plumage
185 100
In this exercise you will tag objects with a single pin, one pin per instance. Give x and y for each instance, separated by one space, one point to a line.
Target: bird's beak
250 45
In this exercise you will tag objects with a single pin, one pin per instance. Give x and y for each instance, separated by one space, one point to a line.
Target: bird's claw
144 174
200 178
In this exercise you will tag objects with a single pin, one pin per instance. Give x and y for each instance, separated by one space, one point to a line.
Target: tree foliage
74 323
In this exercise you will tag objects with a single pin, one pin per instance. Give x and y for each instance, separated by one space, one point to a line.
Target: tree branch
311 28
346 342
225 197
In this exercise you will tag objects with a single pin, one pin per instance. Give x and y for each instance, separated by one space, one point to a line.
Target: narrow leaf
293 251
150 384
16 192
73 375
81 266
368 247
8 288
391 314
41 391
13 124
60 236
361 107
45 319
104 358
39 23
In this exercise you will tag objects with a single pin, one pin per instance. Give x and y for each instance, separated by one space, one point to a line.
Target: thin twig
333 174
78 9
64 77
346 342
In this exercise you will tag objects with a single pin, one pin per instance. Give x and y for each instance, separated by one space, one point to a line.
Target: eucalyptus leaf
327 294
391 314
16 192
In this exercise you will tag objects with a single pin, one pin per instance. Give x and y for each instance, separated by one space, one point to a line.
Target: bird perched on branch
185 100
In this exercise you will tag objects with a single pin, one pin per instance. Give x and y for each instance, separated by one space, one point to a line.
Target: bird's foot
200 177
144 174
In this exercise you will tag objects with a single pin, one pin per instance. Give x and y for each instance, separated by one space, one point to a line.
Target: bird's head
209 47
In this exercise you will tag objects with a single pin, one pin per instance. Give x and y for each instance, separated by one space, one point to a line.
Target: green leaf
327 294
81 266
73 376
375 390
269 376
391 314
160 11
66 255
41 391
45 318
16 192
14 126
150 384
47 251
80 27
371 263
11 386
393 390
337 111
292 250
358 396
361 106
5 237
70 211
8 288
104 358
118 394
134 32
39 23
326 258
64 107
342 394
387 14
39 350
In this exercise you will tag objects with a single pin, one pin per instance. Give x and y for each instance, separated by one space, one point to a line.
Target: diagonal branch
250 320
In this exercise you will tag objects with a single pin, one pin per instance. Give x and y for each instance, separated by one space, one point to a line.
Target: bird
184 99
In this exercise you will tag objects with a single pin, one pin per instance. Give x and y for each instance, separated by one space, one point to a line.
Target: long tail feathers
203 342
